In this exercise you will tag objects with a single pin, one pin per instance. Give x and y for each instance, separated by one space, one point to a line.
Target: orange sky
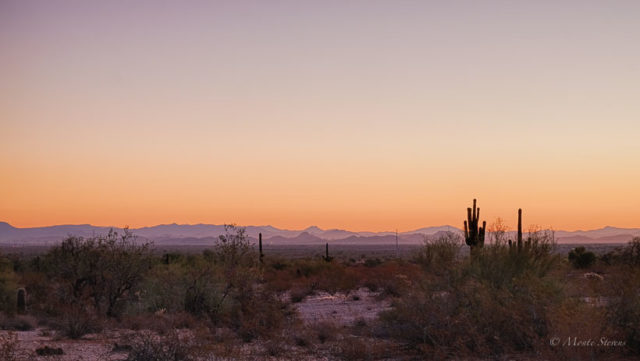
366 116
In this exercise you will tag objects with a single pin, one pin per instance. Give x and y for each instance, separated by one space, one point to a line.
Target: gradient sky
365 115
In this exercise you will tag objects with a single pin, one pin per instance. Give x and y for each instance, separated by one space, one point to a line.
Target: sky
361 115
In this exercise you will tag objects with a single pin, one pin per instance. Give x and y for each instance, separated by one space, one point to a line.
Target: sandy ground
90 348
339 308
343 309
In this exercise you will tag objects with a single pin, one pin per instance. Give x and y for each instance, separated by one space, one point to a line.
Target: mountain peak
4 226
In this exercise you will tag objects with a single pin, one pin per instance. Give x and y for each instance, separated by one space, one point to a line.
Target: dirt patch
341 308
92 347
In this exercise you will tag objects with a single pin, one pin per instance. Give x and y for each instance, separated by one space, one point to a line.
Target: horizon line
300 230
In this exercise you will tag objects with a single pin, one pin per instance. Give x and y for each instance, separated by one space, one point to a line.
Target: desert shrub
172 257
197 287
278 264
372 262
575 318
75 321
298 294
308 275
17 323
324 331
500 265
39 289
8 286
257 314
581 258
627 255
49 351
623 309
163 289
631 252
352 348
275 346
147 346
336 278
101 270
439 255
223 286
494 302
359 348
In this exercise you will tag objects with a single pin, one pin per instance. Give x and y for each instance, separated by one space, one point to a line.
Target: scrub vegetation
503 299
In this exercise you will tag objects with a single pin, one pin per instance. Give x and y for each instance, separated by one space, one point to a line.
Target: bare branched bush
75 321
498 231
147 346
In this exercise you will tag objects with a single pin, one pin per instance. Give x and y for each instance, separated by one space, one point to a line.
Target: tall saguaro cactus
327 258
519 228
519 245
473 234
260 247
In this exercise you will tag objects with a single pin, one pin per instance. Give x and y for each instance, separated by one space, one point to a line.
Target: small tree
581 258
100 270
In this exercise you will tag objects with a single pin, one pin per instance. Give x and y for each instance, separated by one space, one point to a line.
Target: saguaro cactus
519 243
326 253
260 247
519 228
21 301
473 234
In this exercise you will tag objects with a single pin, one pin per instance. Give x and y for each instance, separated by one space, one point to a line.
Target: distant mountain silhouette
6 227
178 234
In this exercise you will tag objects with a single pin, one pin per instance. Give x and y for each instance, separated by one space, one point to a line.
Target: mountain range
199 234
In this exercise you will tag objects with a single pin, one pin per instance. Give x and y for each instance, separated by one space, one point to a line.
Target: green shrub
223 285
581 258
492 303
